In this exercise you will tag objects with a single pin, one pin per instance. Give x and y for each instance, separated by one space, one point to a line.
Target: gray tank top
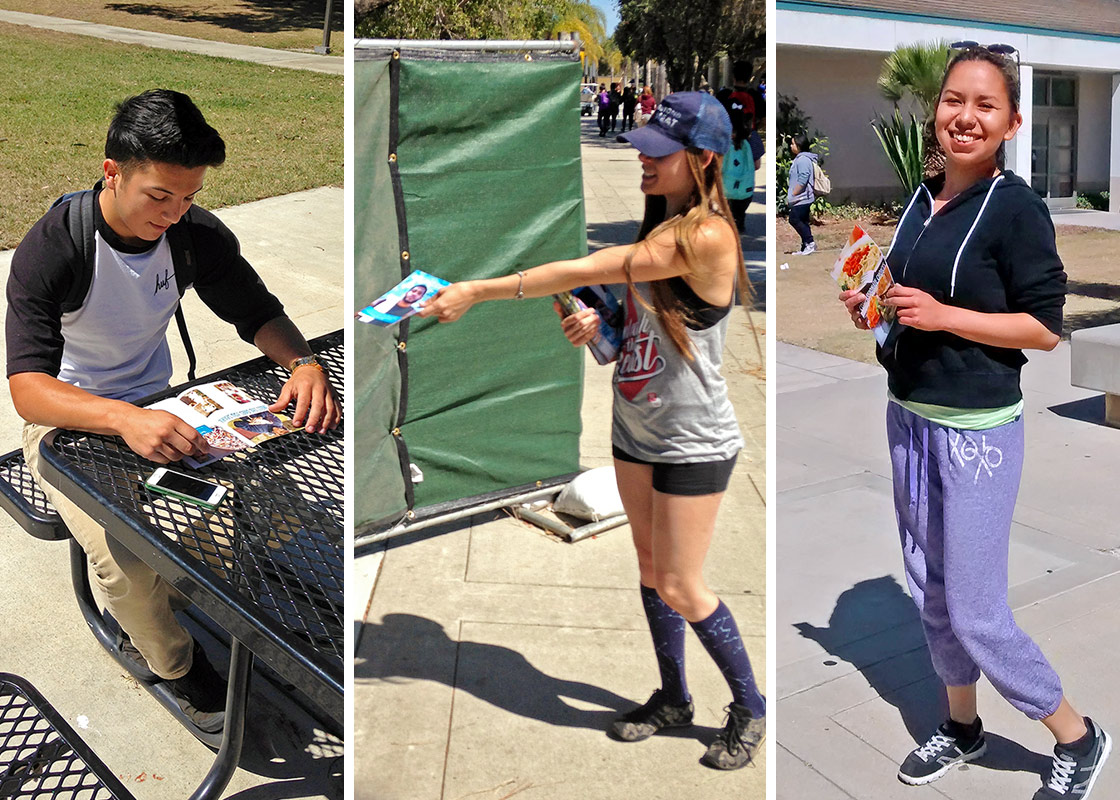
668 409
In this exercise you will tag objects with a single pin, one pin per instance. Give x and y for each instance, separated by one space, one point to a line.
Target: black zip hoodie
991 248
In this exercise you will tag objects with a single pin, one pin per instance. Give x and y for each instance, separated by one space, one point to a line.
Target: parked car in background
588 92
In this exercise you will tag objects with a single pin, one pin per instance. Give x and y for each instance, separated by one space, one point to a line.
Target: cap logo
667 116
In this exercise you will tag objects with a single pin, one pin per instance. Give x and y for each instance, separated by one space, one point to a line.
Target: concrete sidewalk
491 657
296 244
168 41
856 689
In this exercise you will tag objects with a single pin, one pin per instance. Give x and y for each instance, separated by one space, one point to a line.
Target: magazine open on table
403 300
862 266
227 417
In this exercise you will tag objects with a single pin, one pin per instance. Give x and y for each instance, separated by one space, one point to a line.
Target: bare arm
155 435
316 404
654 259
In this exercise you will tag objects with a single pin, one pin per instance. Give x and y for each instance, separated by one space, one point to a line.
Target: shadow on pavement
1089 409
855 633
410 647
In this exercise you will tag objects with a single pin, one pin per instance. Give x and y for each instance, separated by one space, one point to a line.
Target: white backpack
821 183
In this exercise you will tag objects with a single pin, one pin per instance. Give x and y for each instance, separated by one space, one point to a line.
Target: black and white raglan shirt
104 329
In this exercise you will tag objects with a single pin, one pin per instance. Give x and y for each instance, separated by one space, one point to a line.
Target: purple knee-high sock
720 636
667 628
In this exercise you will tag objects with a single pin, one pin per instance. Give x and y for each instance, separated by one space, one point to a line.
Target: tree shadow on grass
261 16
875 627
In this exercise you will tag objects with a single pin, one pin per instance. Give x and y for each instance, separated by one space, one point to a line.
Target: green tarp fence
467 165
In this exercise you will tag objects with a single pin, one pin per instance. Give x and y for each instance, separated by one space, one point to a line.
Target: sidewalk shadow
410 647
1087 409
265 16
855 633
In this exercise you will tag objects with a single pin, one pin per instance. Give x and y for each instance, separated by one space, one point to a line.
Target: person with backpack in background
604 109
801 194
744 157
86 339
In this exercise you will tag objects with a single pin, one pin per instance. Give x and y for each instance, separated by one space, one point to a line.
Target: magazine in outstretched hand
403 300
227 417
605 346
863 267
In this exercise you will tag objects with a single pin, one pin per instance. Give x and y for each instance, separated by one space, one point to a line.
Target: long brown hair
707 200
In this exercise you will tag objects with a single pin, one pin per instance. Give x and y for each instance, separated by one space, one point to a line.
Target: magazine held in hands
862 266
605 346
403 300
228 419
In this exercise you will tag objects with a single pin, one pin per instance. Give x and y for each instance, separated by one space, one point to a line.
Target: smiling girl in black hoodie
978 281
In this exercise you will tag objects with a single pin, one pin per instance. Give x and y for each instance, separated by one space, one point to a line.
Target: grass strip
282 127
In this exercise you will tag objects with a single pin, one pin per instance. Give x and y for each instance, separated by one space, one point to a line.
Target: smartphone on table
186 488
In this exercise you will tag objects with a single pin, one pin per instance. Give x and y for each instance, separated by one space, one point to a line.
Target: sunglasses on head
1004 50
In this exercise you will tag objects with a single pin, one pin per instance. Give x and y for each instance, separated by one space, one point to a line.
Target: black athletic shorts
705 477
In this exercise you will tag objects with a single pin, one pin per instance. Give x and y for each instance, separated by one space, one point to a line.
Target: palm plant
904 144
912 72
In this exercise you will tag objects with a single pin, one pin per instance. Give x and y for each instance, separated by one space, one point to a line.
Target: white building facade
829 55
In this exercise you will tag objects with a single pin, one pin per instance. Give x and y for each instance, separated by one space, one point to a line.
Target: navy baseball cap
683 119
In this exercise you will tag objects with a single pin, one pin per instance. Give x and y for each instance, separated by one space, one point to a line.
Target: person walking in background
979 280
646 103
629 103
739 166
615 104
800 195
674 438
604 109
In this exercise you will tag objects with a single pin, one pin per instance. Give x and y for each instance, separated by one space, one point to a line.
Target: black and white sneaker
941 753
1073 775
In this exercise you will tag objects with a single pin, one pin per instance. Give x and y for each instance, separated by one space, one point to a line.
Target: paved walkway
491 657
855 686
1086 217
168 41
44 636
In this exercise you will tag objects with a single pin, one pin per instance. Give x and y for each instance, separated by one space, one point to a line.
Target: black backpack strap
182 257
83 227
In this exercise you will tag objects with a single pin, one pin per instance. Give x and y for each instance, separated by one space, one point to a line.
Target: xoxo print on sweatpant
954 495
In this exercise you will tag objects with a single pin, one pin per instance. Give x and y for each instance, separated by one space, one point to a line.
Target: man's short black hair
742 71
164 126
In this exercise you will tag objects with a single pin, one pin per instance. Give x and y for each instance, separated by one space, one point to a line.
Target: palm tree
580 16
913 71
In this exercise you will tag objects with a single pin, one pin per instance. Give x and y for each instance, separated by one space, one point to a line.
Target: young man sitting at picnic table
84 341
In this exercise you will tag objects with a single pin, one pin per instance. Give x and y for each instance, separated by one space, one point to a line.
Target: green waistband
965 419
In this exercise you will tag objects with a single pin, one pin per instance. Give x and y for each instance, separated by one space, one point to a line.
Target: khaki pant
139 600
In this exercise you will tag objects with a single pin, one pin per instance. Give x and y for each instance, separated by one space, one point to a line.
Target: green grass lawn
292 25
282 127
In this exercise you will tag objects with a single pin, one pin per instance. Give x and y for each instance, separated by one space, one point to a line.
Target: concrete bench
1095 364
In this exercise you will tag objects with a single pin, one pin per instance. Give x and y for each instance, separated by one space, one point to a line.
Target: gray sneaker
941 753
806 250
646 720
738 742
1072 775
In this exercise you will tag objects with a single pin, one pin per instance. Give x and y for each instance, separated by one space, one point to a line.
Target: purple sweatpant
954 494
